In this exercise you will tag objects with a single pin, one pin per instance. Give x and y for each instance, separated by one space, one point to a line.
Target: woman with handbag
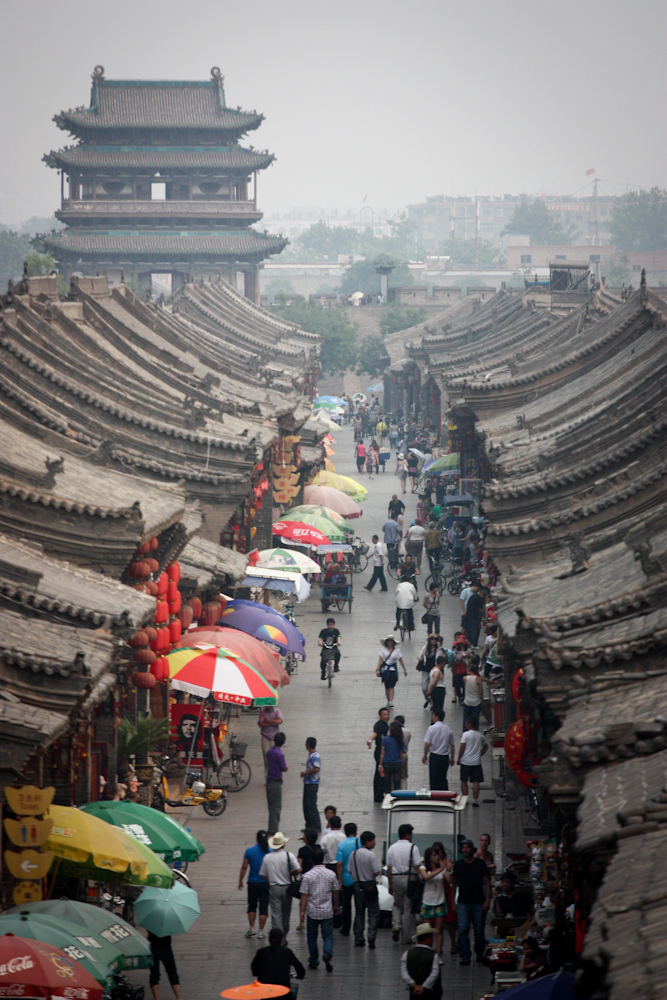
387 668
426 662
450 922
434 906
391 756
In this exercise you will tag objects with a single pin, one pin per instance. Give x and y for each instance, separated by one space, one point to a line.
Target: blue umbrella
376 387
264 624
557 986
330 399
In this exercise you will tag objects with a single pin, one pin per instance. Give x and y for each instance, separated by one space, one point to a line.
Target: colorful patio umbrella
255 991
333 499
266 625
344 483
35 969
166 913
321 418
286 560
446 463
333 532
136 952
254 652
300 533
85 847
219 672
376 387
99 957
328 451
165 837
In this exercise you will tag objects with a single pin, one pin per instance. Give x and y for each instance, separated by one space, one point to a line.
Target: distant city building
296 221
158 184
441 218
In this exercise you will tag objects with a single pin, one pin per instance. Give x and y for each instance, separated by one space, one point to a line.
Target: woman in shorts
434 905
258 887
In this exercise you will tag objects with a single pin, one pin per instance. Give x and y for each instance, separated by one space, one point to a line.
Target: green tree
361 276
533 218
329 241
616 271
372 354
40 263
397 317
466 252
14 249
339 347
639 220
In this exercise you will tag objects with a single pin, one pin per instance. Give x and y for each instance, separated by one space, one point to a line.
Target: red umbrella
299 532
33 969
256 653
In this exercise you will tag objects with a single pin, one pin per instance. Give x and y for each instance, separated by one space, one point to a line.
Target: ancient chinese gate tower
159 184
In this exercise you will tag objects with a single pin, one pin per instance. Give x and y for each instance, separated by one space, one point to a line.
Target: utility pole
476 233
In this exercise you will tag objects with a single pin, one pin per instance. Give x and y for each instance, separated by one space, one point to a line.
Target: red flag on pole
365 198
591 171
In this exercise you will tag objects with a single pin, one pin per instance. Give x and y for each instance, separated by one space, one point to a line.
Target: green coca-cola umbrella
323 518
165 837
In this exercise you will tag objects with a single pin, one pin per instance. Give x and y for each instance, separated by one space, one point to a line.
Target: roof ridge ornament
98 73
218 78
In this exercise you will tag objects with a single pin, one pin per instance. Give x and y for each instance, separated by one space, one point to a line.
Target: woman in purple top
269 720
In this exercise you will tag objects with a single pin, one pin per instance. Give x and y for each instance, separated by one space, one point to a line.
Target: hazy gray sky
396 99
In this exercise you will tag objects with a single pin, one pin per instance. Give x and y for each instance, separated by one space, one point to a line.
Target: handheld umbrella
166 913
35 969
135 950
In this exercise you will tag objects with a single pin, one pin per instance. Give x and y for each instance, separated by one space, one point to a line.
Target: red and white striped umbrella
219 672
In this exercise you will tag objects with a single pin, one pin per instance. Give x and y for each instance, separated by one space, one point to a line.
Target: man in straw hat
420 965
278 868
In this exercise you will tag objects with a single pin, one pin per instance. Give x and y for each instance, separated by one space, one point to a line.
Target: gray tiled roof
89 157
173 247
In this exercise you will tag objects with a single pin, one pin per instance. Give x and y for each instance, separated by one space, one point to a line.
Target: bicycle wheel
393 572
330 671
401 626
234 774
453 587
340 604
360 563
439 580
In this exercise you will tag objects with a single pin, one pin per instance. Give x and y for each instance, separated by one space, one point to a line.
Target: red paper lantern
138 570
160 669
151 588
150 632
143 680
162 583
161 612
137 640
153 544
517 684
175 605
185 616
195 604
153 565
174 571
212 612
172 590
143 656
174 631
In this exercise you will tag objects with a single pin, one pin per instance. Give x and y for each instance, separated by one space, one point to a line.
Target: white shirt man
329 844
364 868
406 595
378 555
403 860
438 746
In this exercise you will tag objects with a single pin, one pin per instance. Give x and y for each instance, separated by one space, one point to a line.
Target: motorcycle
185 791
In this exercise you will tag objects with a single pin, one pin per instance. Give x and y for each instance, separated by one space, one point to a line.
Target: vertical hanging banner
28 831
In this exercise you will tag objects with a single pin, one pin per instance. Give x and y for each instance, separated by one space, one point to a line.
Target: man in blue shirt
343 854
276 765
311 783
392 536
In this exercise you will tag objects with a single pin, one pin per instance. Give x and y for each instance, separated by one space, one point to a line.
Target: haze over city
393 101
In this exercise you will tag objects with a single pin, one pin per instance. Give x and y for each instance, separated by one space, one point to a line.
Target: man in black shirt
332 634
473 616
472 878
272 964
396 507
380 730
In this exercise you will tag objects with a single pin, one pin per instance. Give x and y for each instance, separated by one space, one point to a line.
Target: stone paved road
215 955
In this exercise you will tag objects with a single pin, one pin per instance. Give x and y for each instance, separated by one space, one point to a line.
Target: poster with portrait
183 723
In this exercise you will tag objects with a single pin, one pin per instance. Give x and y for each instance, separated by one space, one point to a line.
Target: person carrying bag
364 863
415 889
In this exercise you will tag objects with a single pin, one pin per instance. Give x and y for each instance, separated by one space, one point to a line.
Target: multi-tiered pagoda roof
177 136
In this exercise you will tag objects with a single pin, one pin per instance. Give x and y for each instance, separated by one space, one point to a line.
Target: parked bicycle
358 558
437 577
233 772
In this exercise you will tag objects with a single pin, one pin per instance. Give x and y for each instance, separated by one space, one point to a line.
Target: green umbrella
328 528
444 463
164 913
135 950
98 956
167 838
331 517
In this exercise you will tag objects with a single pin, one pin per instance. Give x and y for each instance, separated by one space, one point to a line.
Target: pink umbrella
327 496
256 653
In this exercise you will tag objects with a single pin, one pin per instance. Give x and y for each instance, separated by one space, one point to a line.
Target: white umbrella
417 452
289 562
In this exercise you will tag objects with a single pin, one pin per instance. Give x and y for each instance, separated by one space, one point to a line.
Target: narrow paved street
215 954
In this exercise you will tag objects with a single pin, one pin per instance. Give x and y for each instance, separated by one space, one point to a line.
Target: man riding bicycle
408 571
406 598
392 537
329 638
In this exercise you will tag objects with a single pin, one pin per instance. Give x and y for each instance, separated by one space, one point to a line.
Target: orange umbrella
254 652
334 499
255 991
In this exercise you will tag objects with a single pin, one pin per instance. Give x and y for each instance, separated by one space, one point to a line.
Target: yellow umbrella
344 483
80 837
328 465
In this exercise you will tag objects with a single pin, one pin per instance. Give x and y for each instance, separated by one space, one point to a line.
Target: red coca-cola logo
17 964
15 990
